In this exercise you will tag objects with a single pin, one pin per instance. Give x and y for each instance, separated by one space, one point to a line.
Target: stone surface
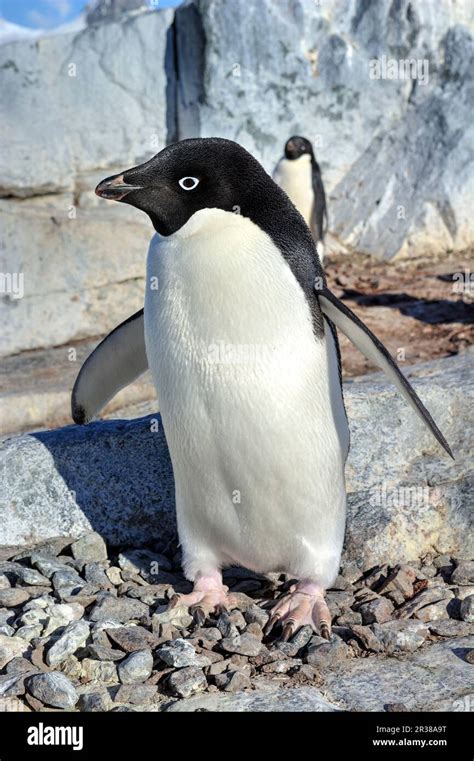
186 682
74 636
432 679
11 647
376 611
292 700
467 609
136 667
117 610
400 636
73 468
11 598
89 547
46 471
53 689
181 654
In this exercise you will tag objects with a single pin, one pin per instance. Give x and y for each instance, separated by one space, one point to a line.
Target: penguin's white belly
294 177
250 402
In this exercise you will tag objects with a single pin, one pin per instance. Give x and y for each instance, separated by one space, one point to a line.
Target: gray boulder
406 497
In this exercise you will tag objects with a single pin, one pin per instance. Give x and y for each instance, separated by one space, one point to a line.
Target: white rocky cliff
394 152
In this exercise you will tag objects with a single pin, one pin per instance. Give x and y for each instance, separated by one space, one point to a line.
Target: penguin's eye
188 183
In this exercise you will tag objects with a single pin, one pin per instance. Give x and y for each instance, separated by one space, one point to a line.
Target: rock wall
395 153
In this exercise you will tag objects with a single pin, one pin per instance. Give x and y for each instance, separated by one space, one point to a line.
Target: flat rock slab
293 700
436 678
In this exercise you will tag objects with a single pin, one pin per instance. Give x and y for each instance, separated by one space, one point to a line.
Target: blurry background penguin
299 175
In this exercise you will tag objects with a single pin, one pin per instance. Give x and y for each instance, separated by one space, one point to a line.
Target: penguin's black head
297 146
188 176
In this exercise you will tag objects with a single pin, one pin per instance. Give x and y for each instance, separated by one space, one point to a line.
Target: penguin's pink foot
209 595
303 605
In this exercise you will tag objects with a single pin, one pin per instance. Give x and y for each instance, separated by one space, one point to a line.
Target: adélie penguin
258 438
299 175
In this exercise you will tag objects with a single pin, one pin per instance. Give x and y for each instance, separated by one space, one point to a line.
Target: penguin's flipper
319 217
370 346
117 361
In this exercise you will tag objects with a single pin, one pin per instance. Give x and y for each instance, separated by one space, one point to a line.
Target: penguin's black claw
325 631
198 615
173 602
270 624
288 631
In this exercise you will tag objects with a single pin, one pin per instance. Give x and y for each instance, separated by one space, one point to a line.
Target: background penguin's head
188 176
297 146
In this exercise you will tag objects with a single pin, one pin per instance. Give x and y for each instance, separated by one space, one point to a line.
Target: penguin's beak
115 188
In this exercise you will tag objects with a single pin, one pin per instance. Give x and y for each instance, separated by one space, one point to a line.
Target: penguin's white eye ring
188 183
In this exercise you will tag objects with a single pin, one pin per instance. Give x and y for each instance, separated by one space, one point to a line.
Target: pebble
367 638
13 597
467 609
53 689
470 656
95 574
12 685
136 694
181 654
256 615
206 635
46 564
7 616
11 647
256 630
178 616
29 632
463 573
119 610
74 636
376 611
243 644
226 627
401 636
186 682
433 612
136 667
449 628
114 575
6 629
105 653
350 618
72 668
26 575
4 581
145 562
95 701
132 638
61 615
423 598
398 586
19 665
98 671
464 591
327 654
236 681
89 547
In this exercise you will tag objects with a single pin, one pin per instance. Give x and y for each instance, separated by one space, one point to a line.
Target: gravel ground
88 629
